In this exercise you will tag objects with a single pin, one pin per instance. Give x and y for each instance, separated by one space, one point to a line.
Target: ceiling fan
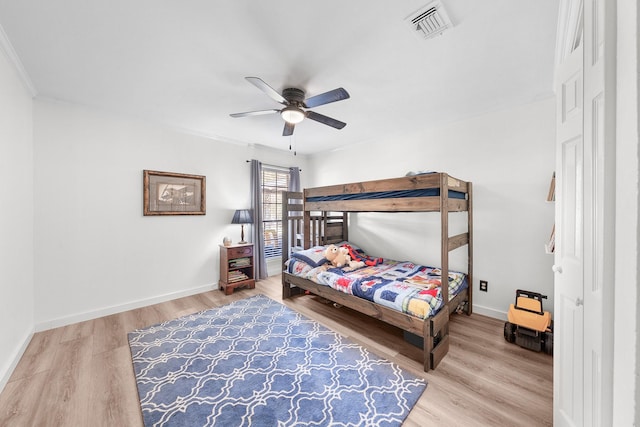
295 104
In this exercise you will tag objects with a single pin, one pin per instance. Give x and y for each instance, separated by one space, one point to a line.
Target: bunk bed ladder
449 243
292 230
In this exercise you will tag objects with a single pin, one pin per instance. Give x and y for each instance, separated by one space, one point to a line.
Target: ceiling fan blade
326 98
254 113
288 129
325 120
271 92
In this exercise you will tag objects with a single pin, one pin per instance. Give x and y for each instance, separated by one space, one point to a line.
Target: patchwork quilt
399 285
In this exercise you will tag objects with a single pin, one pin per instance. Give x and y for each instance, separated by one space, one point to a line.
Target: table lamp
242 217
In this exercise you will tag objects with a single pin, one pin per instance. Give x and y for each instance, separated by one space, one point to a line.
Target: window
274 182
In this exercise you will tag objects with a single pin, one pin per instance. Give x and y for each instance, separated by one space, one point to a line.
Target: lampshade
292 115
242 216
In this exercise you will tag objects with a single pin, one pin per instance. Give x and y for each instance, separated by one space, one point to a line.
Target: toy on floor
529 325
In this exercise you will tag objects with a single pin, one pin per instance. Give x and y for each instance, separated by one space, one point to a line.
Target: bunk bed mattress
396 194
400 285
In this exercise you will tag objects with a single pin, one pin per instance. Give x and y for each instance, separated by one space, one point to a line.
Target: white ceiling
183 63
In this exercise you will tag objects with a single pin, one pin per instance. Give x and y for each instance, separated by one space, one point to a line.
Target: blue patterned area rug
256 362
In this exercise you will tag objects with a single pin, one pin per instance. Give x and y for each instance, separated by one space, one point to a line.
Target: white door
569 253
585 212
599 208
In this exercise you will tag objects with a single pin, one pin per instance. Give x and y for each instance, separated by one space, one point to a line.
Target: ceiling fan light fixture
297 106
292 115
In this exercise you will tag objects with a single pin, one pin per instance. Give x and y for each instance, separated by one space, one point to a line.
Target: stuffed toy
338 257
361 258
354 265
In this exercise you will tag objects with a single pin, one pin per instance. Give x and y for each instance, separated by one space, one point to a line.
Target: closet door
599 207
569 251
585 214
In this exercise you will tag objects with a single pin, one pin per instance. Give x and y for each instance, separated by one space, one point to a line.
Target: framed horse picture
168 193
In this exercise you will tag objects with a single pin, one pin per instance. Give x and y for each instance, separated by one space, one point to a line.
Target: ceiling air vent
430 21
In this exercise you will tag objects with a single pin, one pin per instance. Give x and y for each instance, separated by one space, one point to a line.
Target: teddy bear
337 256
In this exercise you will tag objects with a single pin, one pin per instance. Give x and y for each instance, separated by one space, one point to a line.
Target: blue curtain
257 232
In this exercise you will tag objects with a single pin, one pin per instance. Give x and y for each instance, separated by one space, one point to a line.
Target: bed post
345 228
324 215
444 237
306 235
427 340
470 248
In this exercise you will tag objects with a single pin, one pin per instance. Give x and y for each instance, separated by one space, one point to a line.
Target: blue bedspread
400 285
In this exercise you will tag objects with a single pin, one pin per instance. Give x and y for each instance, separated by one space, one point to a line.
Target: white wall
509 157
16 218
95 251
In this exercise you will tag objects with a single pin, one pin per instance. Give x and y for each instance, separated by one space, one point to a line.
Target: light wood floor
81 375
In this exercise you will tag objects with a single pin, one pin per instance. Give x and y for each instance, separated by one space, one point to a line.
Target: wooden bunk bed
319 216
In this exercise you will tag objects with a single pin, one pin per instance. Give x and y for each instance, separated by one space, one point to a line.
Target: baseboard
490 312
107 311
6 374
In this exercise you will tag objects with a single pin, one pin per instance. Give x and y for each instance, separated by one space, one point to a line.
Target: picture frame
168 193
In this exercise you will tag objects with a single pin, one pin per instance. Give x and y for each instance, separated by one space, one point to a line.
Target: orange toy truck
529 325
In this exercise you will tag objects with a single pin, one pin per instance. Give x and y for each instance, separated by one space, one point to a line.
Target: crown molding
12 56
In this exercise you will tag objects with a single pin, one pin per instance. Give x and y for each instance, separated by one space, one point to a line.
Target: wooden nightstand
236 267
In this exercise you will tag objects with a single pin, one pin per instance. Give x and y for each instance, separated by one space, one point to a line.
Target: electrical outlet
484 285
